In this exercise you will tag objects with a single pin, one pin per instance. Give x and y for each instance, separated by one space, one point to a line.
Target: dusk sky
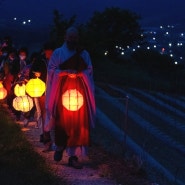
40 12
15 14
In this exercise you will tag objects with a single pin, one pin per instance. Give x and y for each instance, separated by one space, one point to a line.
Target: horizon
40 14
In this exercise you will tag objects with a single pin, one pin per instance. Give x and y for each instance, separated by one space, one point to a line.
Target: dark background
40 12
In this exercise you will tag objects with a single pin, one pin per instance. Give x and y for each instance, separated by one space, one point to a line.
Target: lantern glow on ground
72 100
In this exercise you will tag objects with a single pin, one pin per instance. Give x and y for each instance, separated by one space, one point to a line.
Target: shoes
48 147
42 138
31 119
36 125
58 155
46 137
25 122
73 162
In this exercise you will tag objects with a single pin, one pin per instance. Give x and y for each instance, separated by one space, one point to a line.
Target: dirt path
87 175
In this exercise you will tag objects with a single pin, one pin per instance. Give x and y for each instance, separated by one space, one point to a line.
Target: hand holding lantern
3 91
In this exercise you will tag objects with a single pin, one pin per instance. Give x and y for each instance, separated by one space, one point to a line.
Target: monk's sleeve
52 67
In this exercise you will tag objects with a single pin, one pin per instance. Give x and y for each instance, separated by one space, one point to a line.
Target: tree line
103 31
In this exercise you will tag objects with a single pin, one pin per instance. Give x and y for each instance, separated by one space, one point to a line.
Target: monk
70 78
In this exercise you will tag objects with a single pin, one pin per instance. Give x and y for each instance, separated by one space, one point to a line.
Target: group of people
17 67
68 74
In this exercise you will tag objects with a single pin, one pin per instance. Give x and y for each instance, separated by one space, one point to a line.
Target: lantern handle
20 82
70 73
37 74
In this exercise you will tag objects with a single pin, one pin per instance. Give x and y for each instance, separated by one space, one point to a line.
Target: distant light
15 18
155 46
171 55
134 50
179 44
170 44
24 22
175 62
182 34
122 53
29 20
153 38
167 33
161 27
128 47
106 52
138 46
148 47
170 26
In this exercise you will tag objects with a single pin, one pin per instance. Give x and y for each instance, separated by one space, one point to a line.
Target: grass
107 155
19 163
131 74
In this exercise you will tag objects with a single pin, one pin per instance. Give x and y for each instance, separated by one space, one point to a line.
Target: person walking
10 74
39 69
70 76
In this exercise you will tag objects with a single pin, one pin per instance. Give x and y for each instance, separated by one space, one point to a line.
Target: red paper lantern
3 91
72 100
23 103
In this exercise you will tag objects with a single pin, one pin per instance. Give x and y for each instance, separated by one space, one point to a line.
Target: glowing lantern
72 100
35 87
23 103
20 90
3 91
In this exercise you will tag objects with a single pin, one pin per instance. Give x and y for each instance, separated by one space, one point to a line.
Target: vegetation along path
154 127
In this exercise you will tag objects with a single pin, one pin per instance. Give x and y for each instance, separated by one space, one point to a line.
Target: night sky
40 13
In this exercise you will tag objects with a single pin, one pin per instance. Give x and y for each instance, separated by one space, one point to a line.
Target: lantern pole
126 120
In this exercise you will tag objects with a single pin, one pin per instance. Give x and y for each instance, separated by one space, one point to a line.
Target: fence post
126 120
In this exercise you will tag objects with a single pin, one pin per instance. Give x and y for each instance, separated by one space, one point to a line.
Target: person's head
7 42
12 55
34 56
48 49
5 51
23 53
71 38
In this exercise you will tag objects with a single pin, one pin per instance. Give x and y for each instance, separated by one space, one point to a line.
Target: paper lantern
35 87
23 103
20 90
72 100
3 91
